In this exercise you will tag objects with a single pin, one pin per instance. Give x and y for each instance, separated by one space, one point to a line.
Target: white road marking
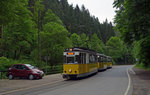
131 69
129 83
28 88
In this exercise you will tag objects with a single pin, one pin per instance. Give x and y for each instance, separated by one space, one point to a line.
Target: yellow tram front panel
71 68
109 64
79 68
100 65
74 68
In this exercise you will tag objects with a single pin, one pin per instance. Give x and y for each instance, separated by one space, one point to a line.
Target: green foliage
31 31
96 44
134 25
79 20
115 48
4 63
19 34
7 6
84 40
76 40
51 17
145 51
142 66
136 49
52 35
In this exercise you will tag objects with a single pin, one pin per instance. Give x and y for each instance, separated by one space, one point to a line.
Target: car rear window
15 66
18 66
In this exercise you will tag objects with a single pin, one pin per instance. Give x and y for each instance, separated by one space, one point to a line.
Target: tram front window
70 60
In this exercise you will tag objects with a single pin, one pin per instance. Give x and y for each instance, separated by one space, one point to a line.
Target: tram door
87 62
83 62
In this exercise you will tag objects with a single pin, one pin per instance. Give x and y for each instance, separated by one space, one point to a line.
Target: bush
145 52
5 63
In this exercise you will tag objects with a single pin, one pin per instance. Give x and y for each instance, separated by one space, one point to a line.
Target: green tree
54 38
84 40
76 40
145 51
79 20
115 48
19 34
133 24
136 49
96 44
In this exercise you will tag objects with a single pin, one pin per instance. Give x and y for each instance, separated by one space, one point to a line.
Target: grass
141 66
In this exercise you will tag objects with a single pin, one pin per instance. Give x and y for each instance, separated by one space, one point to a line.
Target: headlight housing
35 72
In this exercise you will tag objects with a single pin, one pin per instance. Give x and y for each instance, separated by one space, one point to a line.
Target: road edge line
26 88
133 70
129 83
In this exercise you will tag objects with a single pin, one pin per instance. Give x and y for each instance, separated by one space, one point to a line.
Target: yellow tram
102 62
109 62
79 62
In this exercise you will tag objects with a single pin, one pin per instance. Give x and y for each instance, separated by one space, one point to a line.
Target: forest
34 30
132 21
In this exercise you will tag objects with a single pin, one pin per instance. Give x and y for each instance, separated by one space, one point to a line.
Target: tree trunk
1 30
39 38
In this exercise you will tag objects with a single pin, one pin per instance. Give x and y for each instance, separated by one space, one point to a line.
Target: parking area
9 85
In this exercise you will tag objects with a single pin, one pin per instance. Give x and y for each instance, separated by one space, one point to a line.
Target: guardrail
3 74
52 72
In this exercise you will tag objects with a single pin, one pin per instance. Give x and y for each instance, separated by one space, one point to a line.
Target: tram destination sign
70 53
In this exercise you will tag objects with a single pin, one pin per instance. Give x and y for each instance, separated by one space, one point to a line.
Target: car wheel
10 77
40 77
31 77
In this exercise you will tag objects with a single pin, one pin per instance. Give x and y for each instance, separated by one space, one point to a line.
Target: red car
24 70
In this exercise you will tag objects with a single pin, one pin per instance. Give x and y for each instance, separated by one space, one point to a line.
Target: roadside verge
9 86
141 82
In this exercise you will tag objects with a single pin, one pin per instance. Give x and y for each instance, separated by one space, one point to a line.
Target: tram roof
81 49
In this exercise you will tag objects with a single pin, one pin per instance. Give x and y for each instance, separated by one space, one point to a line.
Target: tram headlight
70 70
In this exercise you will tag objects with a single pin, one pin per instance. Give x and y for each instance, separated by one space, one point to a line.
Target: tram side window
105 60
92 58
84 58
77 59
96 59
70 60
81 58
108 60
101 59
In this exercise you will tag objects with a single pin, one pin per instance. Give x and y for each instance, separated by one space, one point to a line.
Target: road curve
110 82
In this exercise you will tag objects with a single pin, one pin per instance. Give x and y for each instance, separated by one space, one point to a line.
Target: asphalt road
110 82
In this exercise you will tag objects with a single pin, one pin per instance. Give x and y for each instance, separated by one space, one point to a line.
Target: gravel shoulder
10 85
141 82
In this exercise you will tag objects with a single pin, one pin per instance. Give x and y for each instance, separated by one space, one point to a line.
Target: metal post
1 75
46 65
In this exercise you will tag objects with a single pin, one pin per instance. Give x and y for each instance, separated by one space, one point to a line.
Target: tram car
79 62
102 62
109 62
